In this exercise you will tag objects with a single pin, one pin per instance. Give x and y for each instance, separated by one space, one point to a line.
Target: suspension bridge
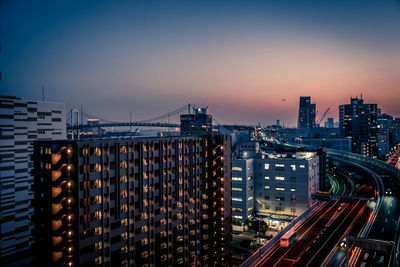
79 121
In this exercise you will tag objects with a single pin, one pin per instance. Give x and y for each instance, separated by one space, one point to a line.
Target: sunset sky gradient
241 58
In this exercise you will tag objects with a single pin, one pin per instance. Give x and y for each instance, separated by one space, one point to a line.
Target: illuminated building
146 201
359 121
242 189
306 113
21 122
198 123
284 184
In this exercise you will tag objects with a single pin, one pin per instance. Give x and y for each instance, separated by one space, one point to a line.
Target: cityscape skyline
241 60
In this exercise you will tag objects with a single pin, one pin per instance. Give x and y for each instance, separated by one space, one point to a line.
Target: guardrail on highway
253 258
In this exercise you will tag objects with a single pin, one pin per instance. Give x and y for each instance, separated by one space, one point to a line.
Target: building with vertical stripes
21 123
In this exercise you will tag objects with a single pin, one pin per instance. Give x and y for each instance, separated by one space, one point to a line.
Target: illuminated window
237 217
302 166
98 245
293 167
249 178
280 189
98 215
266 166
236 189
267 187
293 189
236 169
250 198
237 199
280 178
266 177
279 165
236 178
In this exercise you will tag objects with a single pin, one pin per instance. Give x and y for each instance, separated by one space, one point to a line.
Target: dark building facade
359 121
198 123
156 201
306 113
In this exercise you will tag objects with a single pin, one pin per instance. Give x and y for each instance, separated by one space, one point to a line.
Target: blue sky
238 57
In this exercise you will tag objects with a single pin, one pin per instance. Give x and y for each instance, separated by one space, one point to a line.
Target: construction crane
323 117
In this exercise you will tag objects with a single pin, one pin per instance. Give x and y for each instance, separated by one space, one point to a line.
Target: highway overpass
373 214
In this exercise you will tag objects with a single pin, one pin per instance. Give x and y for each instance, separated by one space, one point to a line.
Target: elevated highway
370 213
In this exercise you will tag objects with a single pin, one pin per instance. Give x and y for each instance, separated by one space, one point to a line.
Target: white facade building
21 122
242 189
283 185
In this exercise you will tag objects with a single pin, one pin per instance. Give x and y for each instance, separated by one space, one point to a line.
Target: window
236 168
237 199
250 198
236 178
302 166
249 178
250 188
279 167
279 209
266 177
280 189
266 187
236 189
266 166
237 209
293 167
293 179
293 189
237 217
280 178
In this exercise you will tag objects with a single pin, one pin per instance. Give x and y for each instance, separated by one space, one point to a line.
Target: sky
239 58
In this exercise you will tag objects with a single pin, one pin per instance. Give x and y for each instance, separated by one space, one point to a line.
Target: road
318 235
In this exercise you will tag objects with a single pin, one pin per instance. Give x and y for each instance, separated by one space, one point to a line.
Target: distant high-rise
145 201
359 121
306 113
330 123
21 122
198 123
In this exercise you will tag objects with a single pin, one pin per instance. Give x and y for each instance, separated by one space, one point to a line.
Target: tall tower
306 113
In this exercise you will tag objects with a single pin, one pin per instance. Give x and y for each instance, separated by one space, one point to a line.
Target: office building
198 123
359 121
306 113
242 189
21 122
284 184
144 201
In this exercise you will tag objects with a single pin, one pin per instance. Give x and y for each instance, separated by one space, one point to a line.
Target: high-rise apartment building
145 201
359 121
306 113
21 122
